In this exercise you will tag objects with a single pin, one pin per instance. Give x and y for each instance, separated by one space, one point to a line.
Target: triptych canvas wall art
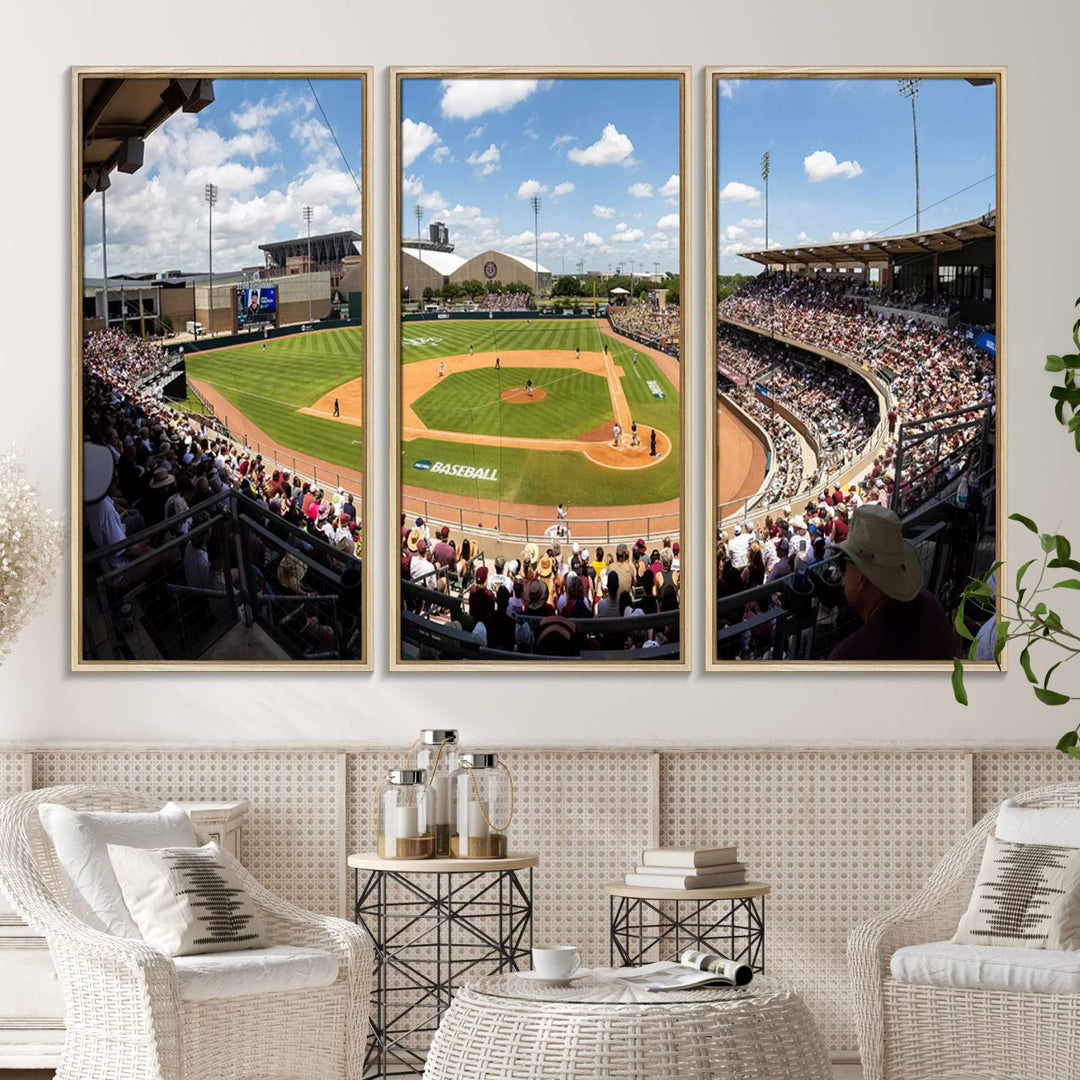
540 371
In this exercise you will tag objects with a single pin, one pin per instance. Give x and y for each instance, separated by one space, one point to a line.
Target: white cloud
464 99
528 188
603 211
734 232
612 148
623 234
593 240
727 87
821 165
669 222
415 139
751 222
311 134
530 134
254 143
485 162
561 140
476 132
855 234
550 237
440 153
670 187
261 113
804 238
432 200
735 191
410 186
562 189
640 191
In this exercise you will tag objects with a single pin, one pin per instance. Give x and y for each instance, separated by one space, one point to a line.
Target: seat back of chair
29 872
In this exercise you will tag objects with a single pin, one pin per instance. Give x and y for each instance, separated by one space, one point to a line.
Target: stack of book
688 868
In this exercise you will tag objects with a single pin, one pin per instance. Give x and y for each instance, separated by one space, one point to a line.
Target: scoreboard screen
256 304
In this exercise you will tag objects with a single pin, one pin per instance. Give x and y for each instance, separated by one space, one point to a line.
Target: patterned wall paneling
998 775
840 836
13 778
290 839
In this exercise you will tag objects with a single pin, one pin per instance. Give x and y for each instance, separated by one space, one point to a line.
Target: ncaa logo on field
490 269
423 464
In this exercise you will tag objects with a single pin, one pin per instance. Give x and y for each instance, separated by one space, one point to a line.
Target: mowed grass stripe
427 339
471 401
270 386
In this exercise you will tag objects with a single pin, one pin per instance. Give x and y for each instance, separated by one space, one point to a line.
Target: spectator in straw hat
883 584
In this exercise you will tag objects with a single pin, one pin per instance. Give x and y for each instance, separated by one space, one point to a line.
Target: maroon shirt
916 630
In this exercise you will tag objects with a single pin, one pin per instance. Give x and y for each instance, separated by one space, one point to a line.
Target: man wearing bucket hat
883 585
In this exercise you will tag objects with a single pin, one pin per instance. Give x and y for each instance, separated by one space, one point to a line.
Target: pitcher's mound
518 395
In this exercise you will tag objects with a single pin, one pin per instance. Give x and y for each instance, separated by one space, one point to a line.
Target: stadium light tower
211 194
909 88
766 160
418 210
307 217
535 203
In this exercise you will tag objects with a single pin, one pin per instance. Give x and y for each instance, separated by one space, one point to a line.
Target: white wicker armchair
909 1032
124 1016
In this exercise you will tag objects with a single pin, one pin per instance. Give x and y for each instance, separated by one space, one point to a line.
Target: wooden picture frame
331 627
715 79
465 661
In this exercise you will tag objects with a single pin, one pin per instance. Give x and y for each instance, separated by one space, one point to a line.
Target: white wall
40 700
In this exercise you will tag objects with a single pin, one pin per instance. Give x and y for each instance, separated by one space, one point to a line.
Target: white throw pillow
80 839
1057 825
187 900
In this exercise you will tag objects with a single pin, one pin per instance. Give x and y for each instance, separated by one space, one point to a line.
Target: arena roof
875 250
118 114
531 265
326 247
442 262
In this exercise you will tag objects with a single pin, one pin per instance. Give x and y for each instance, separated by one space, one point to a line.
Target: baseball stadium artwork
855 282
219 336
538 332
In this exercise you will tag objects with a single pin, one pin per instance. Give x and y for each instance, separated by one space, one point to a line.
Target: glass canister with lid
484 793
405 812
437 753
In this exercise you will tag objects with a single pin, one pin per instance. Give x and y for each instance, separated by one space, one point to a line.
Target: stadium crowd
906 300
166 462
504 301
542 601
787 463
648 323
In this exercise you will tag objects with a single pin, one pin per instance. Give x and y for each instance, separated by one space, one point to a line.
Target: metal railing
515 527
175 590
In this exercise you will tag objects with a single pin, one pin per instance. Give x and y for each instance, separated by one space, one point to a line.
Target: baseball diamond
459 408
284 393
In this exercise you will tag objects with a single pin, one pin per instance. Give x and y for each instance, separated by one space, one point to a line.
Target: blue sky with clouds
265 144
842 160
603 154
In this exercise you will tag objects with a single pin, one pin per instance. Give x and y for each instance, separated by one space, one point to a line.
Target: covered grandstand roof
326 247
530 264
118 114
442 262
875 250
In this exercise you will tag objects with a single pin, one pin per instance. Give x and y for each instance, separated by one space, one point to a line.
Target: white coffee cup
556 961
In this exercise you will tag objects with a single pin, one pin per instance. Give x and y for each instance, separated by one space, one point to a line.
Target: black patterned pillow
1026 895
186 900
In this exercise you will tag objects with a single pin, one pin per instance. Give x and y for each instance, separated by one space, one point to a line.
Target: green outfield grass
536 476
269 387
472 401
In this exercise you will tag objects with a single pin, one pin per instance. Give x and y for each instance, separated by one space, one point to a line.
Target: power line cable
333 135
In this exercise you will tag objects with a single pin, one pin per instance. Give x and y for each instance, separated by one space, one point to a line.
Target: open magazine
693 969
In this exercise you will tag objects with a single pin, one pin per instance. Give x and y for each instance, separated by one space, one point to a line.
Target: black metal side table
433 922
729 920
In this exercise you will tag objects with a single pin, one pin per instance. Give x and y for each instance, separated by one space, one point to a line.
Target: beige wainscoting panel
291 839
999 775
840 835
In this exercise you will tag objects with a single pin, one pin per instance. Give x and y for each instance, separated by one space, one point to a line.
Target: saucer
543 980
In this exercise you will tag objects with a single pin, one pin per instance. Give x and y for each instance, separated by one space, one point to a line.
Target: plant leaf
1022 571
1048 542
1073 751
1064 548
1054 363
1026 522
1051 697
1068 583
1070 738
1025 663
960 624
959 692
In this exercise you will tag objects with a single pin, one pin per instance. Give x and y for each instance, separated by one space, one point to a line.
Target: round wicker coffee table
508 1027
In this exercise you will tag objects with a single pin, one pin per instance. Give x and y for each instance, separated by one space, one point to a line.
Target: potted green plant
1027 615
